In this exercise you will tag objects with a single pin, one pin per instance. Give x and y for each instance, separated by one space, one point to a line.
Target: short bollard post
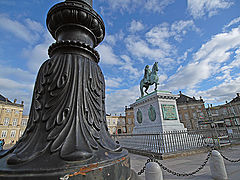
153 171
217 166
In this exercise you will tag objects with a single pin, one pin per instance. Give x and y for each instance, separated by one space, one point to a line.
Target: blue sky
195 42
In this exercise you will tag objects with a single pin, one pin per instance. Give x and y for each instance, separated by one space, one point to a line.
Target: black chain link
231 160
173 172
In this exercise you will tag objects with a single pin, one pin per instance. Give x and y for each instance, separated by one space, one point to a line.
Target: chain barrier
173 172
230 160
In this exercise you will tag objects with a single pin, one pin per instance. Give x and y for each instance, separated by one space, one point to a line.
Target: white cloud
136 26
110 39
11 84
162 78
156 45
107 55
141 49
127 66
157 5
180 28
159 35
34 26
233 22
207 61
16 83
19 90
16 73
117 100
200 8
37 54
131 5
19 30
222 92
113 82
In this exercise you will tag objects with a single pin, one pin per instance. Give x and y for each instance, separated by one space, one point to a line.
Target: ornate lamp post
67 130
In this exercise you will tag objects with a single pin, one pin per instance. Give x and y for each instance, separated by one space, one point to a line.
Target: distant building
129 113
192 112
226 115
11 127
116 124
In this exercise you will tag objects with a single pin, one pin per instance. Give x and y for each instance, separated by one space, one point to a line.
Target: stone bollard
153 171
217 166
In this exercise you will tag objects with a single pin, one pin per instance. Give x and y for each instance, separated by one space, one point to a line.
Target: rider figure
147 74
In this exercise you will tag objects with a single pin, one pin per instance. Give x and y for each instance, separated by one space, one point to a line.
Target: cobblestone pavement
191 163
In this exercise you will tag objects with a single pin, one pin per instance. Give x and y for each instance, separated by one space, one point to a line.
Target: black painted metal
67 127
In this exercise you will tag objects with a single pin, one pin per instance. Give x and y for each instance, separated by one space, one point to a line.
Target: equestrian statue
150 78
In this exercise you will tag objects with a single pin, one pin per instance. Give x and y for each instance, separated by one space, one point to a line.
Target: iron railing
176 141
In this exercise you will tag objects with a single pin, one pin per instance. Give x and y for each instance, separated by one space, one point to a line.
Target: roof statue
150 78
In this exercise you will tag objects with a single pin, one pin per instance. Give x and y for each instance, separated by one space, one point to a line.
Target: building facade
116 124
192 112
11 127
129 113
226 115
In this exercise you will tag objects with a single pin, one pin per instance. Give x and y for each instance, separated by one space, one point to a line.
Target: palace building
11 120
192 112
116 124
129 113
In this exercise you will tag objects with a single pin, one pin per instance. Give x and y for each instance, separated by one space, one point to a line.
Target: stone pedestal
156 113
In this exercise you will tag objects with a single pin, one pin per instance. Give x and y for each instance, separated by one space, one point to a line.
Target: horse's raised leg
155 86
146 89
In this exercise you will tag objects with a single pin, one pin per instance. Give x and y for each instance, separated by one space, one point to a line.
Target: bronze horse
153 79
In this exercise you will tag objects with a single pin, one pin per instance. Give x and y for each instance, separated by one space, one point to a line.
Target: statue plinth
67 132
156 113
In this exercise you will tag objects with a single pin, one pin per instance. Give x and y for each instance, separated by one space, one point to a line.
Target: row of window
194 114
12 133
9 111
116 121
14 123
193 107
227 110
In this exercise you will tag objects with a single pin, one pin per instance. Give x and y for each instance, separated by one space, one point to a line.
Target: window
228 122
16 112
4 134
13 133
194 115
15 121
24 122
237 122
8 110
6 122
185 107
193 107
130 129
129 121
186 116
201 115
